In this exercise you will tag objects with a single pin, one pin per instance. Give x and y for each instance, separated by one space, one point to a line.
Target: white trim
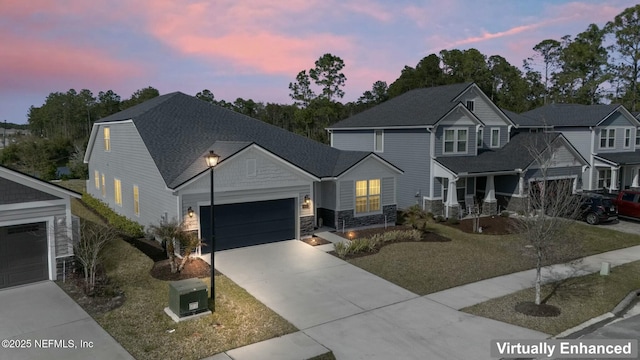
364 128
455 140
51 240
624 112
608 137
375 141
33 204
480 93
491 138
371 155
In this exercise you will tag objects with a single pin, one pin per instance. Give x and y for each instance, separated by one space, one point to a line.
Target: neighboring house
147 163
607 136
453 143
36 229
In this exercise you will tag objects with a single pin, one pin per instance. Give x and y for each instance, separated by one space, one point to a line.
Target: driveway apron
355 313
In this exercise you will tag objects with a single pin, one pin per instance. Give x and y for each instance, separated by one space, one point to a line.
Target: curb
602 320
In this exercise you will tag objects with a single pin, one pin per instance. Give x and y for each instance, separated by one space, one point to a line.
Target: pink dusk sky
254 48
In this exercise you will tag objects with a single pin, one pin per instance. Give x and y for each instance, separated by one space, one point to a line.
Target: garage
246 224
23 254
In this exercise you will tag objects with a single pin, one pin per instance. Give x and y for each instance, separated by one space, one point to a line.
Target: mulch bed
194 268
543 310
106 298
491 225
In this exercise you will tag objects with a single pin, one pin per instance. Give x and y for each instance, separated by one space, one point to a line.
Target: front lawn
143 328
427 267
579 300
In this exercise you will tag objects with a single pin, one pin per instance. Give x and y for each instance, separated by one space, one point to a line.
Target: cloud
34 64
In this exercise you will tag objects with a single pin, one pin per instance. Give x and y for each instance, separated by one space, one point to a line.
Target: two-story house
148 163
456 148
607 136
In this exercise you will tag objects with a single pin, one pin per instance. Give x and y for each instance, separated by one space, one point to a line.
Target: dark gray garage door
23 254
246 224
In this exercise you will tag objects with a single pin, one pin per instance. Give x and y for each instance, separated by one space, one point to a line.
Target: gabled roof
567 115
516 155
34 182
522 121
622 158
418 107
179 129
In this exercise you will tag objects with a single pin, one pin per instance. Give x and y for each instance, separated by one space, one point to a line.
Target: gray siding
347 195
130 162
619 142
552 173
360 140
32 213
471 140
328 194
410 151
580 139
617 119
388 191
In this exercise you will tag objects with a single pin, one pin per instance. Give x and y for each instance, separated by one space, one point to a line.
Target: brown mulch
106 298
491 225
315 241
194 268
543 310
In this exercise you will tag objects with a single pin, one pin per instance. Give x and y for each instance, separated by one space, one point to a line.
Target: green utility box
187 297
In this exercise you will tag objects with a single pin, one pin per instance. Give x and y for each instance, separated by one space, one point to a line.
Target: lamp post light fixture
212 160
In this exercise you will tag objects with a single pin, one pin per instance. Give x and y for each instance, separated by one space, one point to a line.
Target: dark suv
596 208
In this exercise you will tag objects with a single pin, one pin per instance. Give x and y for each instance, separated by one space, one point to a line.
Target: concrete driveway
47 324
355 313
626 225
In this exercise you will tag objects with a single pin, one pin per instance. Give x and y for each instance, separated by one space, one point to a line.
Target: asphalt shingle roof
517 154
565 115
178 130
622 158
416 107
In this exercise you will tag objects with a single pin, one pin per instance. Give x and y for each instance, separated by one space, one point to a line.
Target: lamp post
212 160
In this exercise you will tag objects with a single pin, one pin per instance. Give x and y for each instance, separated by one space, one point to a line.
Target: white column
490 190
614 178
521 185
636 178
452 193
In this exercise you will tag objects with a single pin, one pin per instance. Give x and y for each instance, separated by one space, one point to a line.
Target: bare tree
88 249
545 225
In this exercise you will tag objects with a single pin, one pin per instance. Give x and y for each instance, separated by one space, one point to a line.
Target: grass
427 267
142 327
579 299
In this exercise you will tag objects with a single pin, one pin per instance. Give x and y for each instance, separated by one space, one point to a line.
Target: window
379 142
104 188
604 178
107 138
607 138
470 105
367 196
627 138
480 141
117 191
455 141
495 138
136 200
637 137
96 177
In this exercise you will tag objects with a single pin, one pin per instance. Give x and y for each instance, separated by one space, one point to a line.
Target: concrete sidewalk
481 291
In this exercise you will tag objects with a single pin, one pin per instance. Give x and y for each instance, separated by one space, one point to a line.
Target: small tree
88 249
170 232
551 204
416 218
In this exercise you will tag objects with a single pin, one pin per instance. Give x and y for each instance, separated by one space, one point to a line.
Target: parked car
596 208
628 203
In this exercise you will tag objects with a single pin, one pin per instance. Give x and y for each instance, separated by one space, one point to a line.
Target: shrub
373 243
505 213
119 222
440 218
453 221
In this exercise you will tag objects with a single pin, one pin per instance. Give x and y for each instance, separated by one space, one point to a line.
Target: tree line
595 66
